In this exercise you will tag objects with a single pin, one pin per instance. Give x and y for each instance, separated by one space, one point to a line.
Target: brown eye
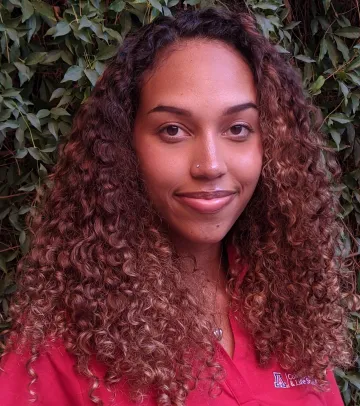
239 130
171 130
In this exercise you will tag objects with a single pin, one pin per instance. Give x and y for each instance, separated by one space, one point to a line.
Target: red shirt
245 384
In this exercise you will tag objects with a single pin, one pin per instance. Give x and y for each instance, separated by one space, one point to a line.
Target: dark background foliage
53 51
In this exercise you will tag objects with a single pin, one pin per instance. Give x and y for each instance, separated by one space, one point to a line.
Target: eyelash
162 129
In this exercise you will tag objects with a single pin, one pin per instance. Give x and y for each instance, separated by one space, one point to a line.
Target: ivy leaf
85 22
61 28
53 128
106 53
354 78
35 153
125 23
21 153
58 111
113 34
167 12
34 121
5 80
51 56
154 13
317 85
66 57
354 64
348 32
335 135
35 58
354 379
44 9
66 99
83 35
11 93
31 27
157 5
97 29
118 6
23 69
341 46
74 73
340 118
332 51
92 75
5 114
27 10
8 124
50 31
325 25
350 131
281 49
57 93
344 89
355 102
357 153
326 4
304 58
13 35
314 25
323 49
42 113
100 67
265 24
292 25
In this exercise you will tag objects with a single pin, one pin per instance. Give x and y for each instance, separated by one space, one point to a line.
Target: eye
240 131
170 130
172 133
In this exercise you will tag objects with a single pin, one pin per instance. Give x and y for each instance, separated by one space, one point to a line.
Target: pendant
218 333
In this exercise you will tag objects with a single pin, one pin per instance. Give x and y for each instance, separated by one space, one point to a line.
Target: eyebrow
182 112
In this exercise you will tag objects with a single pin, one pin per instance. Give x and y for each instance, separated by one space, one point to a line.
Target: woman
185 254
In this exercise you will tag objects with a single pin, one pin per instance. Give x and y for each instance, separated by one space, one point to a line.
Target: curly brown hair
102 275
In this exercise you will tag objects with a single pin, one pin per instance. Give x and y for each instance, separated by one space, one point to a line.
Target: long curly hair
102 275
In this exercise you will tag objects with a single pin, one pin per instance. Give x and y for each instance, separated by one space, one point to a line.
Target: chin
205 236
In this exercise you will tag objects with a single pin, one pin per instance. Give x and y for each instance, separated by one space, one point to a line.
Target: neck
209 281
209 258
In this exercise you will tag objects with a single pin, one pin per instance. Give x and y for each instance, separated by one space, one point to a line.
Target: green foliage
52 56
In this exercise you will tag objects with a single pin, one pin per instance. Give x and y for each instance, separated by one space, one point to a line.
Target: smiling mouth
207 202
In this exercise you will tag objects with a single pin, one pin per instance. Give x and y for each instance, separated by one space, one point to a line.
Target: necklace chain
218 332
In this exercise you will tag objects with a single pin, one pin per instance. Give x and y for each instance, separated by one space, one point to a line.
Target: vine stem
332 112
358 8
76 17
7 42
27 125
10 248
341 67
14 195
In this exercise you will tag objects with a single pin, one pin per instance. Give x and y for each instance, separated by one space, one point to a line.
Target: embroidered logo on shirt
290 380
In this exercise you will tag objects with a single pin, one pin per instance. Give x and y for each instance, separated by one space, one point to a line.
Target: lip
207 202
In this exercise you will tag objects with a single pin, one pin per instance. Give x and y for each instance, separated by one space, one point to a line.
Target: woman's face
197 138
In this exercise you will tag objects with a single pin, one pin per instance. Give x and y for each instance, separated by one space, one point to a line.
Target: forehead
199 68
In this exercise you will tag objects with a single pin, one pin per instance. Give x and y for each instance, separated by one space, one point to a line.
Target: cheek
161 170
246 169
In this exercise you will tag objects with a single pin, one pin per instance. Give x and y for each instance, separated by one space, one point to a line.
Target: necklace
218 332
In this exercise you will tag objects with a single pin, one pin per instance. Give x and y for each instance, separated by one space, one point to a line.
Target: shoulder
54 372
57 381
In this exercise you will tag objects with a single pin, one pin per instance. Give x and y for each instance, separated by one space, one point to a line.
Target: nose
208 160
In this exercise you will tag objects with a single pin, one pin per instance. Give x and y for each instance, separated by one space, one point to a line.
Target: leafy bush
52 53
